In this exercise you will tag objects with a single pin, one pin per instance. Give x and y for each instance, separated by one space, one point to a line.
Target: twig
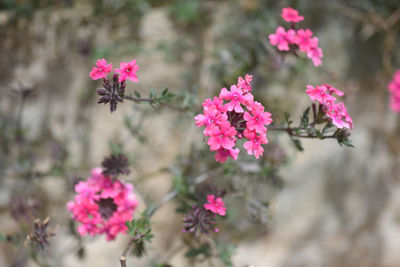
153 100
290 131
139 99
122 259
164 200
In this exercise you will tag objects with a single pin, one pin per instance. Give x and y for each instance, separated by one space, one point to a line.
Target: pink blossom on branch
336 112
257 118
236 98
128 70
314 52
228 117
253 146
291 15
215 205
245 83
102 205
303 38
282 39
223 154
101 70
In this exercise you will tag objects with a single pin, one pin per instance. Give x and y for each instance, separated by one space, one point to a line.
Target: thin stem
122 259
290 131
138 99
164 200
153 100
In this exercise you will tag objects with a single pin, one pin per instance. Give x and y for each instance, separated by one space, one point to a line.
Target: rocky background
337 206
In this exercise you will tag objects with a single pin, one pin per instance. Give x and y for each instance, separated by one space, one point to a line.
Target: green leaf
203 250
153 93
297 144
137 94
346 143
287 119
304 118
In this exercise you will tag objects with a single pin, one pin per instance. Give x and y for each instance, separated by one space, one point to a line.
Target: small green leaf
304 118
203 250
297 144
137 94
287 119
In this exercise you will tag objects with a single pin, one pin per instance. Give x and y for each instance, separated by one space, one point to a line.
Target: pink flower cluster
215 205
102 205
226 120
126 71
301 39
337 112
394 89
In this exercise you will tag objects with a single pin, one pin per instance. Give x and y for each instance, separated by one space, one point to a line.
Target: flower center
106 207
128 70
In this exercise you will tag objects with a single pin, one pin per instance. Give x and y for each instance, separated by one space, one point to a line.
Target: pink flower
214 103
291 15
102 205
223 154
320 94
236 98
128 70
282 39
314 52
338 113
253 146
222 136
258 118
333 90
215 205
101 69
245 84
394 89
225 123
303 39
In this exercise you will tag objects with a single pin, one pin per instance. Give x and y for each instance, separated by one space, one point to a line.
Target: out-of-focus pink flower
102 205
315 52
291 15
394 89
236 98
128 70
215 205
282 39
291 39
101 70
333 90
303 38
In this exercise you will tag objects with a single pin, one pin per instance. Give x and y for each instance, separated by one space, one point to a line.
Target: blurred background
325 206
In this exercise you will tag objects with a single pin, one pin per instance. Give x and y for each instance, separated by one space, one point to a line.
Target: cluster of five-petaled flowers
293 39
234 115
